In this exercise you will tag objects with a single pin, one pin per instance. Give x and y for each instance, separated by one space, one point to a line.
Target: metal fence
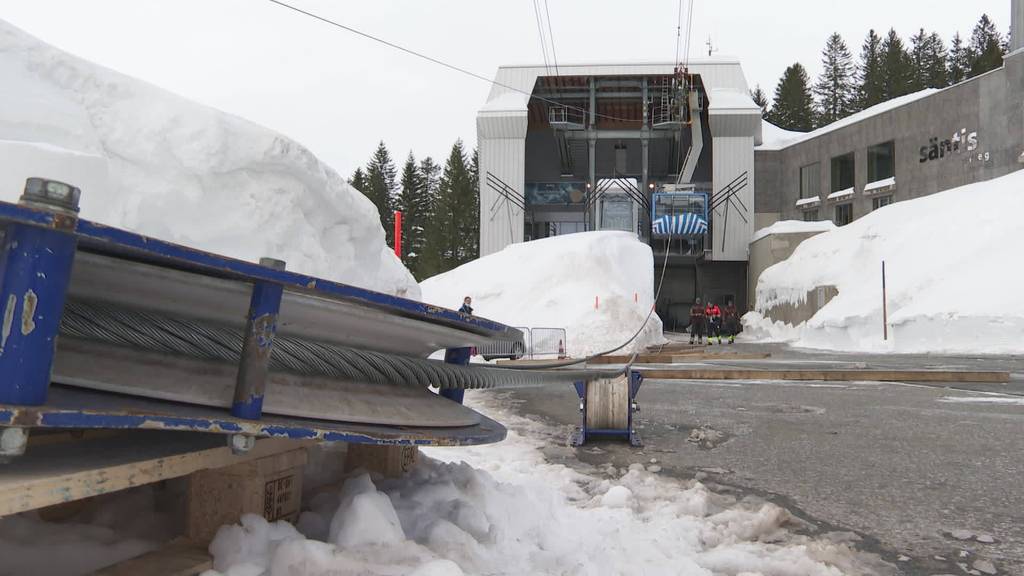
536 343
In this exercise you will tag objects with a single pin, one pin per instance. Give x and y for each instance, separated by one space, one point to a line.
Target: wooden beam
880 375
676 357
63 472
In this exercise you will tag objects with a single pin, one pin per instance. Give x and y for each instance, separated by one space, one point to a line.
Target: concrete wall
768 251
992 105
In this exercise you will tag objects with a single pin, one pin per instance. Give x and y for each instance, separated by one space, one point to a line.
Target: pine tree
380 187
918 46
935 62
985 51
870 73
453 212
793 106
358 180
959 62
835 87
760 99
429 263
473 200
898 69
414 203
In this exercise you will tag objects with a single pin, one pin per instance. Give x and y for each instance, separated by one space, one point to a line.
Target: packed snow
940 252
793 227
775 138
553 283
506 510
158 164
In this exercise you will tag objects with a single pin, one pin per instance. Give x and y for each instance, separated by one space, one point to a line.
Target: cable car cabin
682 218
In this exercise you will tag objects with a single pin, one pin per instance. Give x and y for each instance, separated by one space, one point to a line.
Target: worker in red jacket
714 316
697 327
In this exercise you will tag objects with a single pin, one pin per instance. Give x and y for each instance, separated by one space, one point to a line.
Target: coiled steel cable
195 339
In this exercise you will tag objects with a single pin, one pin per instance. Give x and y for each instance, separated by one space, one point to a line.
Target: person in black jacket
466 308
697 327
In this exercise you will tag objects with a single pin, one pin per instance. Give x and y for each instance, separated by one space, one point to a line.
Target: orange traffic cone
561 350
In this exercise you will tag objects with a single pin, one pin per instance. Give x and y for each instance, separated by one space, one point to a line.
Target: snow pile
793 227
941 251
775 138
505 510
553 282
155 163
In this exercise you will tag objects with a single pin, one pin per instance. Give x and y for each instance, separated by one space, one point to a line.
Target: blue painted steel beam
36 266
260 328
458 356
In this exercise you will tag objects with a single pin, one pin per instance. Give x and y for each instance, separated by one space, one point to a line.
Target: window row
881 165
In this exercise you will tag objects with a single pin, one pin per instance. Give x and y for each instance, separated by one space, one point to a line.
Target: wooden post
885 312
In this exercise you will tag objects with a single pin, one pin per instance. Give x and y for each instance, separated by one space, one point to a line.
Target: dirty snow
1009 400
938 252
155 163
553 282
505 509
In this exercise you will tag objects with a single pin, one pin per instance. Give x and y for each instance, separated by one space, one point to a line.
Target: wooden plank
180 557
676 358
608 403
64 472
880 375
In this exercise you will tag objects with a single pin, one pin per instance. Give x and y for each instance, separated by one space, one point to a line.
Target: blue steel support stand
35 263
456 356
260 328
584 433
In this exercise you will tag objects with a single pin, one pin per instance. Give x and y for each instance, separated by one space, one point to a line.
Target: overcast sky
339 94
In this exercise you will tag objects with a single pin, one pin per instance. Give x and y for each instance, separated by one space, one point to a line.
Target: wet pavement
932 476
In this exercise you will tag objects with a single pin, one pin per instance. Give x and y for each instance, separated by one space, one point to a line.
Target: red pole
398 234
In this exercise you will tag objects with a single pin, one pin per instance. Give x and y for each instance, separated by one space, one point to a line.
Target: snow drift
155 163
944 253
553 283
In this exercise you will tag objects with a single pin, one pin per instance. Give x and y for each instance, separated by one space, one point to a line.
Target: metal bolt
51 195
13 442
272 263
241 443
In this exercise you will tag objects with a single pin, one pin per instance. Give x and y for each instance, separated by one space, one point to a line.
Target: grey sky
339 94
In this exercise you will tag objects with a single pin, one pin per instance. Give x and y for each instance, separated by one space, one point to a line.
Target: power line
551 36
679 32
443 63
540 34
689 34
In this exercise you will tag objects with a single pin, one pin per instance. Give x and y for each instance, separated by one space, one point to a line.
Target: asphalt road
925 477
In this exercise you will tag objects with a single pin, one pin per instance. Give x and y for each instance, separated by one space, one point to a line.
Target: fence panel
548 342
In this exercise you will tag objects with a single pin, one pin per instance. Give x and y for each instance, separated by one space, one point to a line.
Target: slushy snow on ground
940 251
505 509
155 163
553 282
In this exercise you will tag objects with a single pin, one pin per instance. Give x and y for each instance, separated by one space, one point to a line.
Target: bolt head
241 443
51 194
13 441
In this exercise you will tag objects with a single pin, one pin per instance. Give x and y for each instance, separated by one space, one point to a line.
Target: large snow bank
793 227
952 275
153 162
506 510
553 283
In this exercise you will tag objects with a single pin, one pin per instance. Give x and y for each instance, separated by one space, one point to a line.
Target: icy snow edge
158 164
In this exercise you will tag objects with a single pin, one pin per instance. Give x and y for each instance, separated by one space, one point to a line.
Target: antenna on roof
710 47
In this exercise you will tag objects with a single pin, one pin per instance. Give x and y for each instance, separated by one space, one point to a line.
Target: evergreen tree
414 203
429 263
358 180
897 67
454 212
935 62
835 87
380 187
473 199
959 61
760 99
985 51
793 106
870 72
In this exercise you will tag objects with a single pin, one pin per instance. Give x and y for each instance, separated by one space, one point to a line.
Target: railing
537 342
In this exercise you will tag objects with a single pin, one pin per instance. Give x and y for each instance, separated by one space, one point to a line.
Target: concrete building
596 147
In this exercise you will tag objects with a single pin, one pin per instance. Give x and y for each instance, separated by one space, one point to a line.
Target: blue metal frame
36 263
36 267
583 433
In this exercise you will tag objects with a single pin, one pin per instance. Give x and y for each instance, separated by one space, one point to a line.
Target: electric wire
443 63
551 37
540 34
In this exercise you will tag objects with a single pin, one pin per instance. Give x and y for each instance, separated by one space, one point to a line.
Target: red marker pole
398 234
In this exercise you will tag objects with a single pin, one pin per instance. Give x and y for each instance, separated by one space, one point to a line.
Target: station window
881 161
842 172
879 201
844 214
811 215
810 180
